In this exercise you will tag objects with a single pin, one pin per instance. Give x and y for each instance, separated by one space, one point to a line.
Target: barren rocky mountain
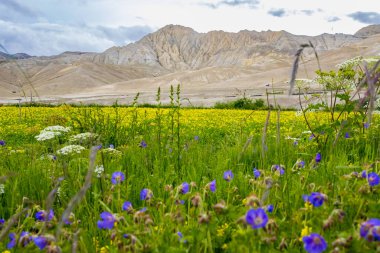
210 66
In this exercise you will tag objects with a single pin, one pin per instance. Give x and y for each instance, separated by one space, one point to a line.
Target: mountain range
210 67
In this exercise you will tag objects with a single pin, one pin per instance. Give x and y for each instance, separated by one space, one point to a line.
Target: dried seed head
204 218
196 200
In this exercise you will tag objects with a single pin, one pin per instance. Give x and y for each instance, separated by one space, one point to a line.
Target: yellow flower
104 249
224 246
305 231
308 206
6 251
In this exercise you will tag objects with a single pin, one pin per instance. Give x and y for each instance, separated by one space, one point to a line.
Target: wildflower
45 216
312 136
146 194
278 169
315 198
184 187
256 173
40 242
2 187
228 175
25 238
257 218
318 157
347 135
373 179
301 164
107 221
127 206
143 144
366 125
82 137
70 149
180 235
99 170
370 230
2 143
212 186
12 241
117 177
305 232
196 138
270 208
2 221
47 135
314 243
112 146
364 174
57 129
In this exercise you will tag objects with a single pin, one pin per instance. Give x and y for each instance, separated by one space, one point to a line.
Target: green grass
174 155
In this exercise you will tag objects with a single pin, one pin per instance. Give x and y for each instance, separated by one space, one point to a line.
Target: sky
50 27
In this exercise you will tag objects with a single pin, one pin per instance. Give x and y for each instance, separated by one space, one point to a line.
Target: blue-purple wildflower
256 218
184 188
107 221
256 173
117 177
12 241
146 194
373 179
228 175
318 157
40 242
314 243
45 216
127 206
315 198
143 144
370 230
212 186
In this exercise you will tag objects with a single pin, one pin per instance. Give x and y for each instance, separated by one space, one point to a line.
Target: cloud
333 19
15 6
308 12
12 10
122 35
52 39
277 12
366 17
249 3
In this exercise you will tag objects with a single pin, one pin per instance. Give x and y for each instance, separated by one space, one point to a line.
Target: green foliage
242 103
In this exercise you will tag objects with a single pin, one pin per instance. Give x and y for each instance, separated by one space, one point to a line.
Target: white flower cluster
350 63
83 137
47 135
51 132
70 149
111 151
48 157
2 187
99 170
57 129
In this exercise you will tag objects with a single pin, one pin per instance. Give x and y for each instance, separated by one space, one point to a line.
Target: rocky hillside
18 56
180 48
212 63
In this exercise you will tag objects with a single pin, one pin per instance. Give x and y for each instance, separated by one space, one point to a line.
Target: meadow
111 179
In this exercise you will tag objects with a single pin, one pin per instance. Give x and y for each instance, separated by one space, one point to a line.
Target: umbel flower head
117 177
107 221
370 230
314 243
256 218
228 175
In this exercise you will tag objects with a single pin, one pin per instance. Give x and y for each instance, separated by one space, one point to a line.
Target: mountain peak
368 31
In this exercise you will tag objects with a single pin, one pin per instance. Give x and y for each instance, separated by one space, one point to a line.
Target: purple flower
44 216
301 164
107 221
2 143
295 143
146 194
370 230
184 187
256 173
196 138
112 146
364 174
117 177
12 241
315 198
373 179
180 235
257 218
279 169
347 135
311 137
2 221
270 208
318 157
25 238
212 186
40 242
127 206
366 125
143 144
228 175
314 243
